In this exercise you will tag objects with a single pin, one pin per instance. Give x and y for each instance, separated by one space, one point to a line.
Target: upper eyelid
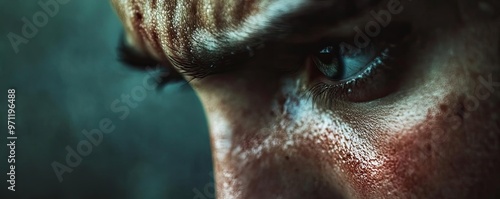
197 66
300 49
292 47
203 61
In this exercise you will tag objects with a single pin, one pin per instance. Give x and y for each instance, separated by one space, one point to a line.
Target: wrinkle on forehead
187 26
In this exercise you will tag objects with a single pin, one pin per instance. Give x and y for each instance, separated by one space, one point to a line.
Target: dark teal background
66 78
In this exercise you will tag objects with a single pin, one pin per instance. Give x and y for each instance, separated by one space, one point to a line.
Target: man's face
347 99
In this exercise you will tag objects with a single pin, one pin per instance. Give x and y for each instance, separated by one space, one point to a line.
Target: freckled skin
428 139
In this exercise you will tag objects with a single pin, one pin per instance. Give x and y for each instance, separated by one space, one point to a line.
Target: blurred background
66 78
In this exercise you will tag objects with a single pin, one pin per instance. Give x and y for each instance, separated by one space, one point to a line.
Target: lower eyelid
380 81
374 82
326 94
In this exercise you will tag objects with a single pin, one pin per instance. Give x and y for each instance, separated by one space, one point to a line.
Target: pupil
327 61
327 55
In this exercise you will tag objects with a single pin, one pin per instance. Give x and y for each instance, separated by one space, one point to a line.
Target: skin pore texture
435 135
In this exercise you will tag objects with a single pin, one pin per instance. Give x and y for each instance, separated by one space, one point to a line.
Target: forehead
188 31
190 22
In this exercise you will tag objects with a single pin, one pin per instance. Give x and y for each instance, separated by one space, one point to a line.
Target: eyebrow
220 53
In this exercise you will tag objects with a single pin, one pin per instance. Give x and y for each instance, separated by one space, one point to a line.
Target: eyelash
142 62
323 93
381 77
326 93
133 59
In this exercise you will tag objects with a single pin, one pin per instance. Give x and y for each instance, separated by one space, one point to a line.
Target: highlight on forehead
190 28
198 33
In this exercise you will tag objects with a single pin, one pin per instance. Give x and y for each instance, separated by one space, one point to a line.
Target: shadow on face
337 99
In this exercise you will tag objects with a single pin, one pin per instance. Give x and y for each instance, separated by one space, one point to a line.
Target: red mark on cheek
446 155
449 153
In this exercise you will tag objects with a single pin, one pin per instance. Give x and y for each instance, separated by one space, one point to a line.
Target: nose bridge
263 142
237 110
239 116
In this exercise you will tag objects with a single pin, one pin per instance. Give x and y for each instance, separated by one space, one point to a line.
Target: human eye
339 70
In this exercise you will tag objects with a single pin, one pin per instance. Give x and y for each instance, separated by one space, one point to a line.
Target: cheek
451 148
290 150
452 153
270 141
